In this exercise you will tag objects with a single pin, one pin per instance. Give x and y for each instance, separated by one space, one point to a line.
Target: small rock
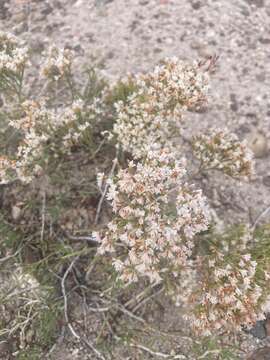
243 128
15 212
29 336
37 45
157 50
244 11
169 41
78 49
257 3
134 25
264 41
258 330
47 10
110 55
261 77
196 45
205 52
144 2
258 144
196 5
266 180
19 17
40 17
234 104
20 28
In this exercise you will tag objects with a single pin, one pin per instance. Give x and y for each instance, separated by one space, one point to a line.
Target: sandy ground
133 35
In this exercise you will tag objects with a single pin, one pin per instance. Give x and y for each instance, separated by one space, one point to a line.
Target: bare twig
145 300
138 298
43 214
156 353
10 256
89 239
71 328
104 192
130 314
98 149
99 309
258 219
203 356
65 297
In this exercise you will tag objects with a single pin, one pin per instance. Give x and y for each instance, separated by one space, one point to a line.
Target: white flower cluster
38 126
222 150
156 232
13 56
57 64
6 166
228 296
152 114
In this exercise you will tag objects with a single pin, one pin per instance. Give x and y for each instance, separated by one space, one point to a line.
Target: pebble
196 5
15 212
258 330
233 102
257 3
266 180
37 45
258 144
19 17
47 10
20 28
205 52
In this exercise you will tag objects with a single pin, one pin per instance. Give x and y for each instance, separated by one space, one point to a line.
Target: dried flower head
155 230
222 150
13 56
6 167
39 125
58 63
152 113
228 295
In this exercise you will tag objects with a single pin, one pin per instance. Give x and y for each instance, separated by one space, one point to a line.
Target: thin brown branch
104 192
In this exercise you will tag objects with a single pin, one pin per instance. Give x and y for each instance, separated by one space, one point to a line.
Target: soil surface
134 35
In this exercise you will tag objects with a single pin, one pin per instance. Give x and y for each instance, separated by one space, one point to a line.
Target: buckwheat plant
44 131
13 59
159 215
157 233
152 114
222 150
57 64
228 295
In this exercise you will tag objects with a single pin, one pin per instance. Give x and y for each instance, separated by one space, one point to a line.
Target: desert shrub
157 216
96 185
